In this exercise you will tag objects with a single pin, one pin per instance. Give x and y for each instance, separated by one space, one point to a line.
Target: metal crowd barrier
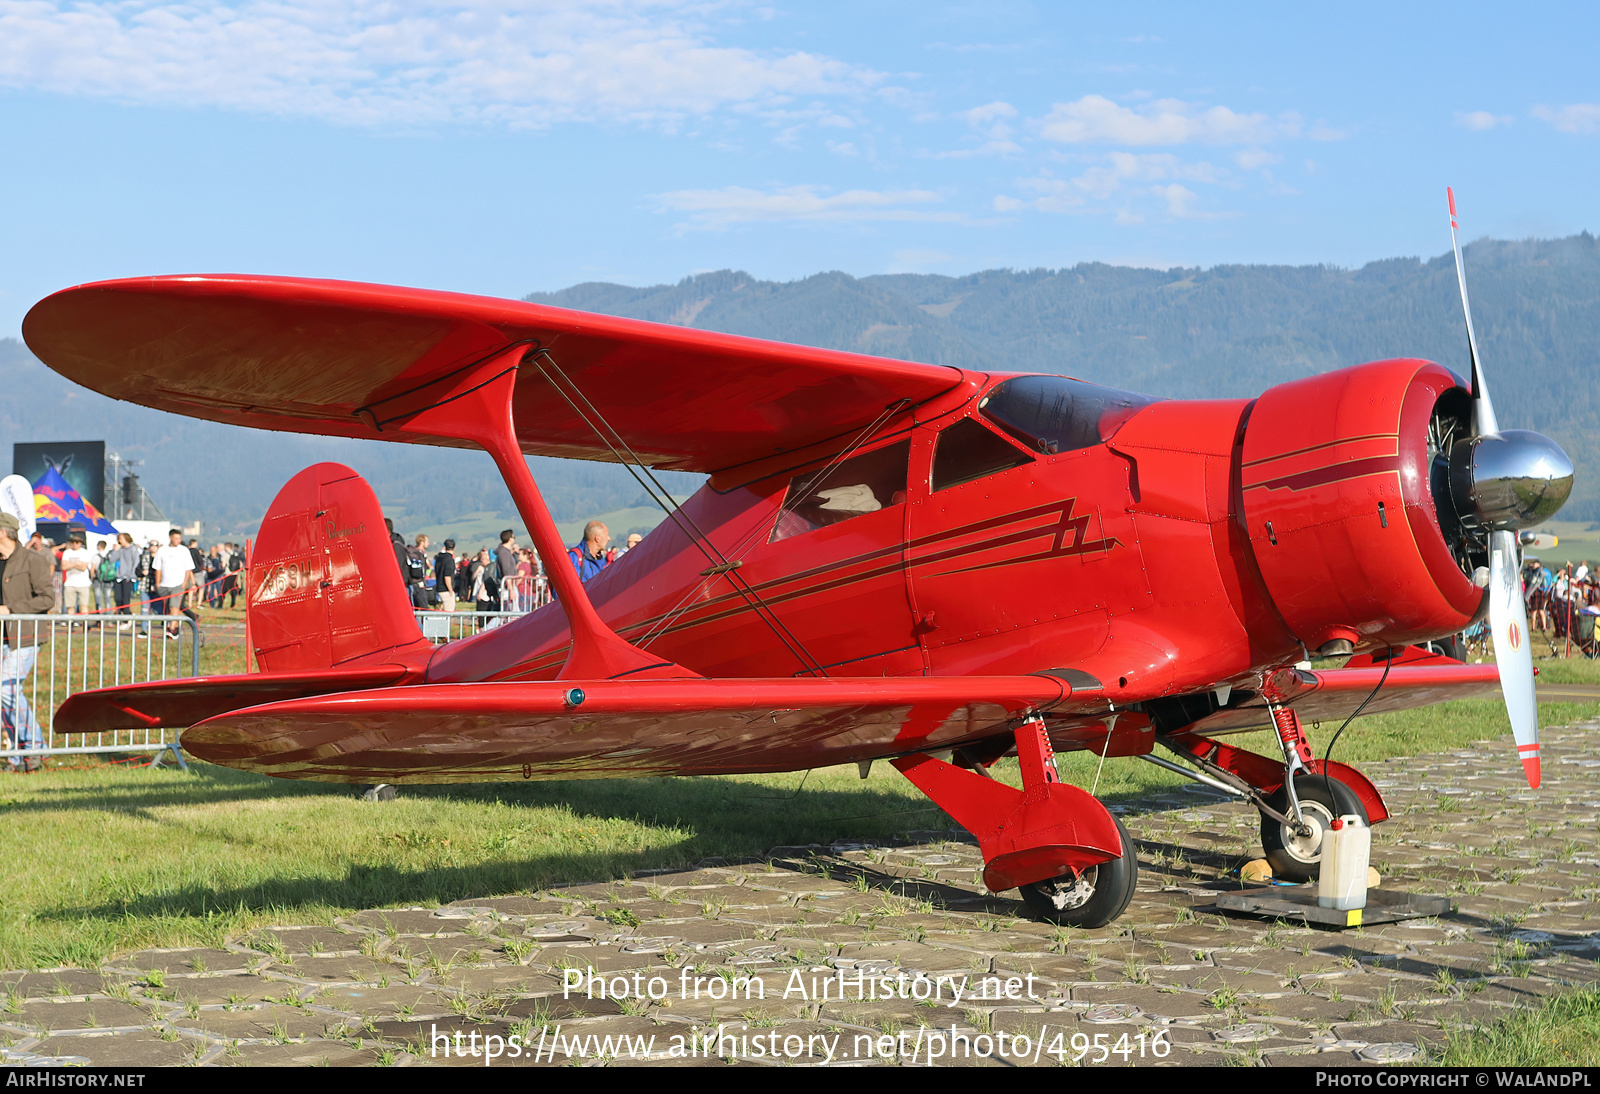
73 653
442 627
524 594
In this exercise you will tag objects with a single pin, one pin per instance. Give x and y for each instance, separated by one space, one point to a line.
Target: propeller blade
1483 409
1508 614
1513 650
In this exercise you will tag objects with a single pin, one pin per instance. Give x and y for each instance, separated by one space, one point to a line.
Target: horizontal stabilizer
612 728
184 702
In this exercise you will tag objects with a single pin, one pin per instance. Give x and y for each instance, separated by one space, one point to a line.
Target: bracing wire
596 421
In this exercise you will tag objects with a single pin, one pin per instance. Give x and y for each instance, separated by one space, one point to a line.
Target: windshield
1054 414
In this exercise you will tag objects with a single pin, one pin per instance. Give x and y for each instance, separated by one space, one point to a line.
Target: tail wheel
1091 898
1297 856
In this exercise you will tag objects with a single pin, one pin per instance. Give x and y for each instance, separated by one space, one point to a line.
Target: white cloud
1481 119
1255 157
1576 118
1180 203
1095 119
406 62
987 148
717 209
987 114
1122 173
989 128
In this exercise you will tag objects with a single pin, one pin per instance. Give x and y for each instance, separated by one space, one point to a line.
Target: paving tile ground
881 955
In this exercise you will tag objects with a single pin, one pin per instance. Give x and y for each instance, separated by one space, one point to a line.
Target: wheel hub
1065 894
1305 843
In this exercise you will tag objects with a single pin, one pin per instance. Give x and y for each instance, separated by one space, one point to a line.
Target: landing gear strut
1298 798
1072 860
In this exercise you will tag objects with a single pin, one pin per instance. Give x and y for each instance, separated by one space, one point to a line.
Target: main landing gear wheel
1296 856
1090 899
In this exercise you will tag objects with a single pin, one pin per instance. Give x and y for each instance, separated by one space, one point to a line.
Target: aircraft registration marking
287 578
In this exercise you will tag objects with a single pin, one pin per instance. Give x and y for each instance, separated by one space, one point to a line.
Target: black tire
1092 898
1299 858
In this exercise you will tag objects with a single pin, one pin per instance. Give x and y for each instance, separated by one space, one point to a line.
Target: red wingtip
1451 194
1530 767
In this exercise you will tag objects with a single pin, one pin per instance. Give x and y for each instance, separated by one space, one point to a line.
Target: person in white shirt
174 567
77 588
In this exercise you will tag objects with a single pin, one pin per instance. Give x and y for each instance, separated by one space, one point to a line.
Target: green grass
1566 670
128 858
1564 1032
131 858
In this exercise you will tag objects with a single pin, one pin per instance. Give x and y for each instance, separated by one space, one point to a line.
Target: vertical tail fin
324 587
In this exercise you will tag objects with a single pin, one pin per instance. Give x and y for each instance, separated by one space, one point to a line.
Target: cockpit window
861 484
1054 414
967 451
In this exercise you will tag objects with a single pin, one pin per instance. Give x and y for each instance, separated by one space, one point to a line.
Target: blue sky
502 148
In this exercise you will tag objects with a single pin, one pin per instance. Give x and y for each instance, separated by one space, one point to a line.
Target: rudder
324 586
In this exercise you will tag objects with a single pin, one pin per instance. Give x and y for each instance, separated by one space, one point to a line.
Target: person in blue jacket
591 556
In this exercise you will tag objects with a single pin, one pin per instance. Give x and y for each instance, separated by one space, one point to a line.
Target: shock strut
1296 755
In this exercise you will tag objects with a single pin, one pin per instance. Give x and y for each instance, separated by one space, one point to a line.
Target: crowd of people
120 582
121 578
509 578
1564 604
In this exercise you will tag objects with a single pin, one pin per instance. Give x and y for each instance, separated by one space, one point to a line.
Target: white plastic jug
1346 849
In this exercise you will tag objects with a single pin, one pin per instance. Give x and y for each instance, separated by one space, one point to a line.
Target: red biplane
923 564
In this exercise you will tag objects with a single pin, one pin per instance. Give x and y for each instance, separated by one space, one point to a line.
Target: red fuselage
1149 552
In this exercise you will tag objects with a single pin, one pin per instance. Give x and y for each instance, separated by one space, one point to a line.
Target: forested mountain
1187 333
1229 330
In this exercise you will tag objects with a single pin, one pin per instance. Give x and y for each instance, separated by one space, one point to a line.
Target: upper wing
324 357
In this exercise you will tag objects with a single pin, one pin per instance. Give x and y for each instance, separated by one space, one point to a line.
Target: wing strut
474 404
539 357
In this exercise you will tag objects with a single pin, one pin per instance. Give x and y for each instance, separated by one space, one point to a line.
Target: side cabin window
850 488
1053 414
967 451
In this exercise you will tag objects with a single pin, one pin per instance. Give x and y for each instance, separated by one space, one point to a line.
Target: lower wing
614 728
1325 695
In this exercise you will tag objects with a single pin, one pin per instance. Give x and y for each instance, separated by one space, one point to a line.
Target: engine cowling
1345 481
